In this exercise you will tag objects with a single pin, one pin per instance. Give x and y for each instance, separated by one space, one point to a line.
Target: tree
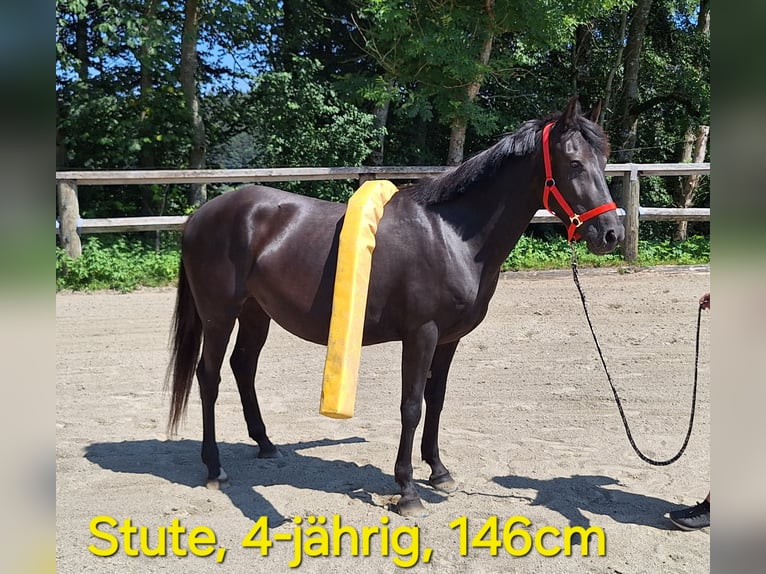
627 110
446 51
188 76
694 147
296 119
664 97
153 84
128 76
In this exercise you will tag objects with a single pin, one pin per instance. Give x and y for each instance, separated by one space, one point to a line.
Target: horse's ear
595 112
571 112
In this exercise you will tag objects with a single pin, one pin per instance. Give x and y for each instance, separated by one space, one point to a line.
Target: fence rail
70 225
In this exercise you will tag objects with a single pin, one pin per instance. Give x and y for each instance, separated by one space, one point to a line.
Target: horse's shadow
574 495
178 461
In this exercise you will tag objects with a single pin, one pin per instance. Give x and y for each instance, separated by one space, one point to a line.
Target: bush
555 253
122 266
692 251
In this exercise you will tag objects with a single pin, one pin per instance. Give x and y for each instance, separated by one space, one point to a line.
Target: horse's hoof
444 483
411 509
269 453
219 482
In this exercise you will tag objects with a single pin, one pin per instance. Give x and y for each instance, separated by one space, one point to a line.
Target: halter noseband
575 219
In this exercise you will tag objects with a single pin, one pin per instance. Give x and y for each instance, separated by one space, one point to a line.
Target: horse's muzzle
603 240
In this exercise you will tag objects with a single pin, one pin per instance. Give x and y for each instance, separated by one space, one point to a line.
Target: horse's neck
493 219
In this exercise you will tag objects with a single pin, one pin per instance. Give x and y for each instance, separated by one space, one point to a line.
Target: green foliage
123 266
694 250
296 119
295 82
436 50
533 253
303 122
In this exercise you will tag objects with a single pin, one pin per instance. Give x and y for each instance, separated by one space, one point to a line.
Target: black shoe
692 518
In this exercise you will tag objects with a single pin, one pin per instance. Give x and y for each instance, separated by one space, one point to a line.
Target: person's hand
705 301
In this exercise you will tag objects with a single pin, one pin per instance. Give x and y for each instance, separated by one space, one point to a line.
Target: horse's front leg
417 353
436 385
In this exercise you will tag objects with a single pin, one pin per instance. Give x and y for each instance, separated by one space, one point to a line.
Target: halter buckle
575 220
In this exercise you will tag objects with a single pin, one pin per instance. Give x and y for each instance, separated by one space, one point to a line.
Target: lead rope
641 455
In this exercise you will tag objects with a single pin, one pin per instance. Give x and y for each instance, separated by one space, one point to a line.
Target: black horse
258 254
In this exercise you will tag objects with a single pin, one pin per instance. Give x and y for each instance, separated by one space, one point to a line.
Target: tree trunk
188 76
695 143
81 48
457 141
289 37
381 119
62 159
627 118
460 123
703 18
694 150
581 57
146 157
607 106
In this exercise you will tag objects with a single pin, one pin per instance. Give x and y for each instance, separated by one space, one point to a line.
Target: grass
122 266
126 265
537 254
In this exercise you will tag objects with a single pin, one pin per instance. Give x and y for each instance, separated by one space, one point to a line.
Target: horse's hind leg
436 385
253 330
216 333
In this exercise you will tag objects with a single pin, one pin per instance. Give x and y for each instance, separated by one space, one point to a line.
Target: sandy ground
529 430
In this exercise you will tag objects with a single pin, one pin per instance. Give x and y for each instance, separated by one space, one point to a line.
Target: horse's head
575 151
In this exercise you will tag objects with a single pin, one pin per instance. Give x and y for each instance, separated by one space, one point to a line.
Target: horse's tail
185 341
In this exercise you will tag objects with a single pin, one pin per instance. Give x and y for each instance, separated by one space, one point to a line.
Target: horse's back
255 203
270 245
252 216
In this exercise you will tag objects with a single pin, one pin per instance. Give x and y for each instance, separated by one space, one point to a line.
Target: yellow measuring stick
349 303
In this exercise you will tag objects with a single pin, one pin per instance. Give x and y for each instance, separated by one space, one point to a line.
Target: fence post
631 190
365 177
69 215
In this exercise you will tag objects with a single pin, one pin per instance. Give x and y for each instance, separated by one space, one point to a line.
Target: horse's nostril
610 237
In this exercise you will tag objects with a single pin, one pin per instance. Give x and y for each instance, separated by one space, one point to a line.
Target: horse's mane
524 141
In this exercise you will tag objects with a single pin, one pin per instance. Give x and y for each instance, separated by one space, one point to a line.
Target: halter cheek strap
575 219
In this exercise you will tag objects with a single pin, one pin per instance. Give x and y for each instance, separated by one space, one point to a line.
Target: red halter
575 220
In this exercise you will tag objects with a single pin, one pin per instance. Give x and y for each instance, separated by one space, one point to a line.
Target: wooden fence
70 224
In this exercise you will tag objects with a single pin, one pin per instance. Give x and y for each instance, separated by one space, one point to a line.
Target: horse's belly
303 312
315 326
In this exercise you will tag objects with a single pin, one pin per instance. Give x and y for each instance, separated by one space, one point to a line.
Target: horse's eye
574 164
